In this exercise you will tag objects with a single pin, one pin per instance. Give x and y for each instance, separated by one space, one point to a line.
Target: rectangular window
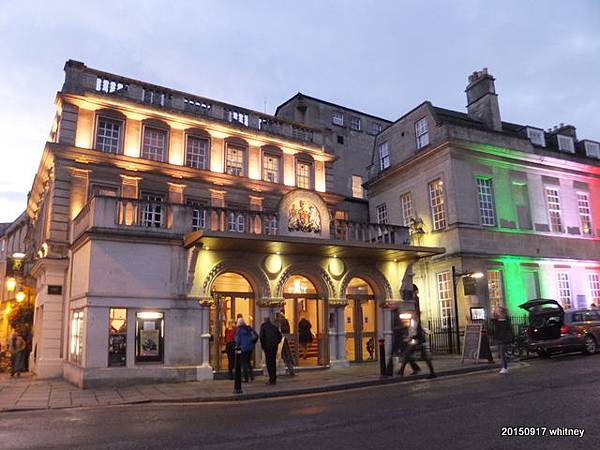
108 135
565 144
355 123
536 136
357 189
234 161
76 347
495 289
382 216
376 128
384 156
271 164
338 118
585 213
152 211
407 208
486 202
196 152
594 281
422 133
553 202
444 284
564 289
303 170
270 226
236 223
154 144
198 215
436 202
592 149
150 330
117 337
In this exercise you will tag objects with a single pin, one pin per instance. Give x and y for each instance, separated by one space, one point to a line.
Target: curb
288 392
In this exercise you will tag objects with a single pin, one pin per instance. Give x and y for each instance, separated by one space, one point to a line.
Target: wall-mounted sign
469 285
54 289
304 216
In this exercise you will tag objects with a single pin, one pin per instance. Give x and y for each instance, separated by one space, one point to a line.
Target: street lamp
11 284
456 275
20 296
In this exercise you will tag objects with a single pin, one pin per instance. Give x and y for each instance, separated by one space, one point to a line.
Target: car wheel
589 344
543 354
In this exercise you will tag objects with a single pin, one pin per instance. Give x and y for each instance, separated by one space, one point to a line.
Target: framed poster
149 336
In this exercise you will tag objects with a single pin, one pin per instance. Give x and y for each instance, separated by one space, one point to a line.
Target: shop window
117 337
76 347
149 336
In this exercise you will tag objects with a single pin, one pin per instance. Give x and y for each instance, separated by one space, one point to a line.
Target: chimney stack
482 100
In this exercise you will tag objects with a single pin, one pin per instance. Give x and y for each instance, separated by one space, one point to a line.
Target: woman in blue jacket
245 338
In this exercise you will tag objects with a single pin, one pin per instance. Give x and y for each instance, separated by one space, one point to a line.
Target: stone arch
380 285
255 276
317 276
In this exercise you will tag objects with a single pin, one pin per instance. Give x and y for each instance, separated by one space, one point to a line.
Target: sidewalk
28 393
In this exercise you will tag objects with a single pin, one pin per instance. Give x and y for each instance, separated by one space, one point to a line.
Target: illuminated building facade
157 217
517 203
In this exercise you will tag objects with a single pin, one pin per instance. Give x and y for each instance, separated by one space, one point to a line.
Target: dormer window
536 136
592 149
565 144
338 118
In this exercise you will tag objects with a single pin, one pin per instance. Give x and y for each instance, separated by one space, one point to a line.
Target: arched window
304 172
110 131
155 140
197 149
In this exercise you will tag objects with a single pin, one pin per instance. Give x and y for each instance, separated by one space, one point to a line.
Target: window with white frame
563 283
270 225
444 285
108 135
436 203
196 152
338 118
271 164
553 203
376 127
585 213
382 215
592 149
407 208
303 174
236 222
486 201
357 189
536 136
355 123
76 346
198 215
234 160
383 152
154 144
565 144
422 132
594 284
495 289
152 211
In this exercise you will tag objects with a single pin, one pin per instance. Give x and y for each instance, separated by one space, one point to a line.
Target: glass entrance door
308 337
359 325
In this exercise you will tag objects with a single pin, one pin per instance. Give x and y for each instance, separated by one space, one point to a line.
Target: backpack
254 335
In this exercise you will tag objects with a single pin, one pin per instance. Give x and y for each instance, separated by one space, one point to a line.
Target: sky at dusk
381 57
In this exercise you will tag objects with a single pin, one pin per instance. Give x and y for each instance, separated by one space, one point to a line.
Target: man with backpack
245 338
270 337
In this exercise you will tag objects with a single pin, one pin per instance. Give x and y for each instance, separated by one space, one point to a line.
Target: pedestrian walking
305 336
415 343
17 347
286 351
270 337
230 346
503 334
245 338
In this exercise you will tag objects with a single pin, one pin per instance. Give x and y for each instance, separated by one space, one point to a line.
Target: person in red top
230 346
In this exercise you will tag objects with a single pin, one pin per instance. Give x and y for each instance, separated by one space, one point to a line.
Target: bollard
382 365
237 383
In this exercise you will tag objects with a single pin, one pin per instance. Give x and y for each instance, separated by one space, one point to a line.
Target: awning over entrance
287 245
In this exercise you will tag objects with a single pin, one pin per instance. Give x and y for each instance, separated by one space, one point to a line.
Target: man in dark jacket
270 337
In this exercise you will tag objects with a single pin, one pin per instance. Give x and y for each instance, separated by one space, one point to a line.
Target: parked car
555 330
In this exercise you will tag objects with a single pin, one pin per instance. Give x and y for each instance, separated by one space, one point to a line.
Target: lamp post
456 275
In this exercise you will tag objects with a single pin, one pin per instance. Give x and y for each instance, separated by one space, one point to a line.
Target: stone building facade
157 217
517 203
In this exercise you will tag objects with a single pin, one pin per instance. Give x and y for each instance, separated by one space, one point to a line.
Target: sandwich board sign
471 342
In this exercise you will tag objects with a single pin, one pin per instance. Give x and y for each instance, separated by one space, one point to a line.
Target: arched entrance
306 312
360 321
234 298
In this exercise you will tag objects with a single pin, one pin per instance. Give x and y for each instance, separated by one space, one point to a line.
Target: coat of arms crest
304 217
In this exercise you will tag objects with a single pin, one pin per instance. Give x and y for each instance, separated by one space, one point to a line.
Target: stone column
390 306
205 303
337 334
